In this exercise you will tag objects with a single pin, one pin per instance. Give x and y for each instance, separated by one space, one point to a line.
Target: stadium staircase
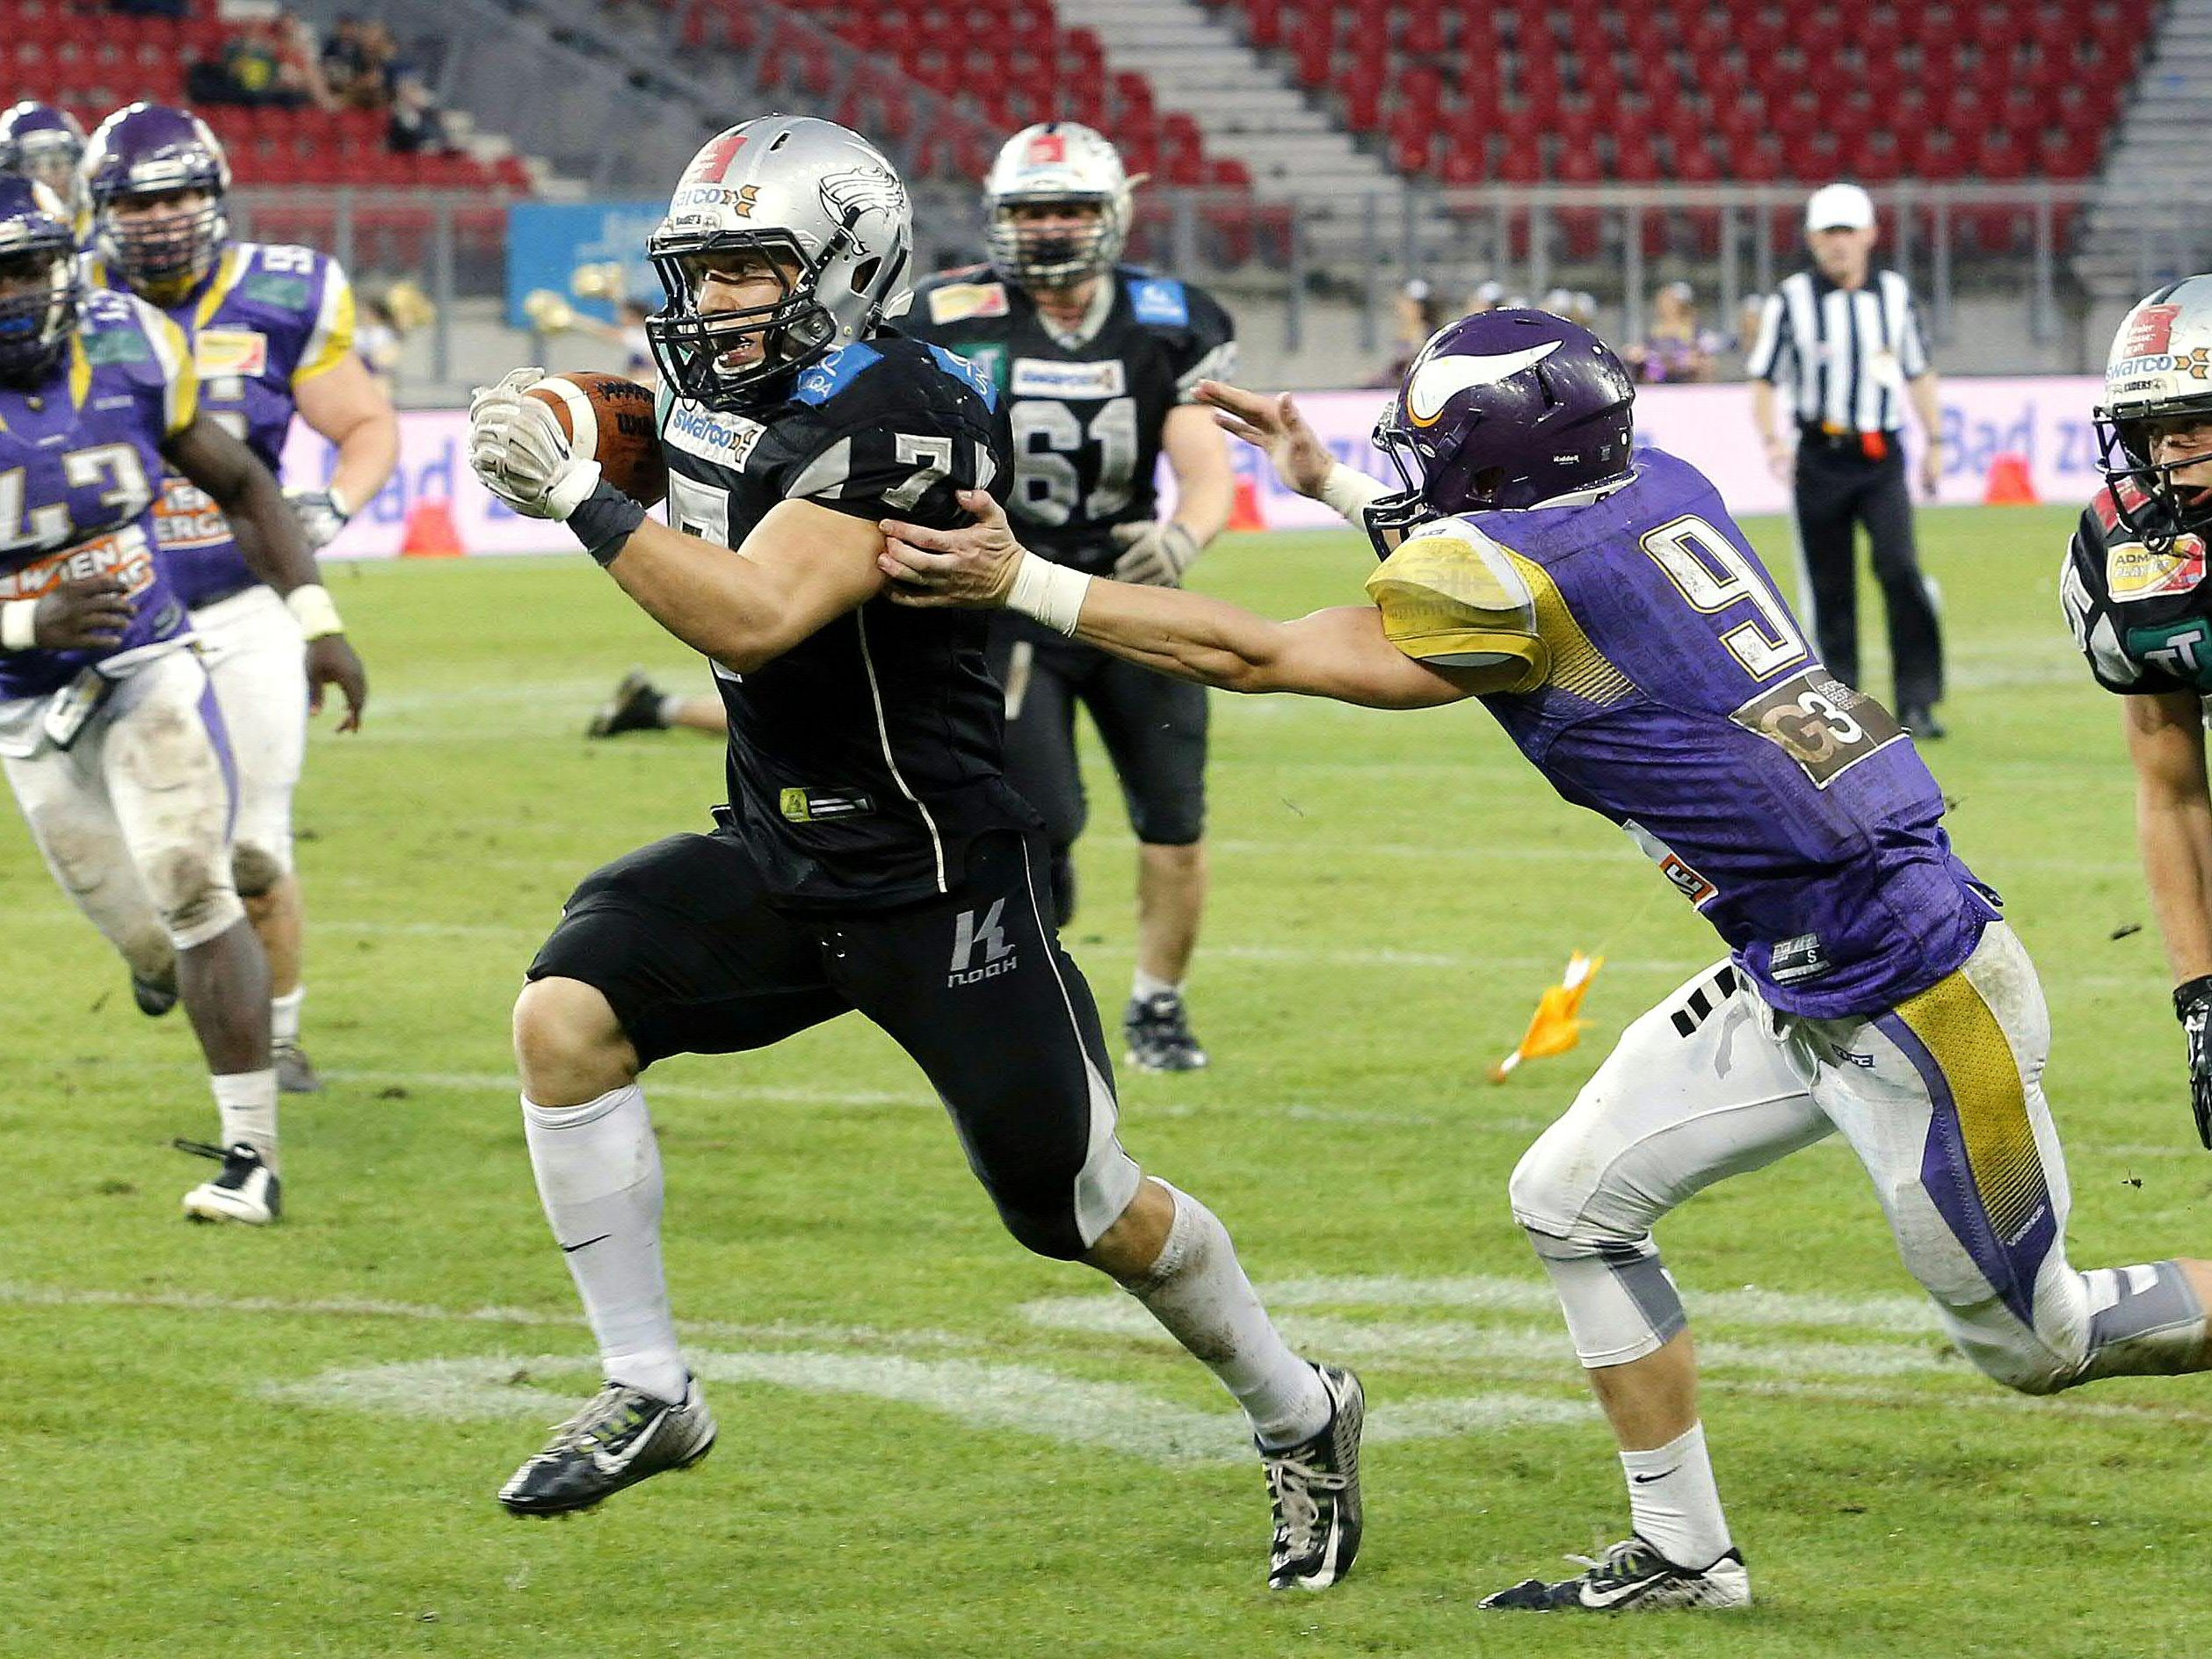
1248 108
2149 221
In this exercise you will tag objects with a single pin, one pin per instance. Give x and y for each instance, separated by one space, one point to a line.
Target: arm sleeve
1207 349
330 334
1771 353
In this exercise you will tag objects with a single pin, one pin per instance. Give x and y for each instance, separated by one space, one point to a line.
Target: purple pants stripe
219 735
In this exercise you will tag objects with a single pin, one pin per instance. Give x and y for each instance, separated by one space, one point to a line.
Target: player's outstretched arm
1340 653
275 549
1271 423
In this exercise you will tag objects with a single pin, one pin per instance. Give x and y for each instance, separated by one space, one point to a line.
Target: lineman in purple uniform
272 328
1611 617
109 733
45 144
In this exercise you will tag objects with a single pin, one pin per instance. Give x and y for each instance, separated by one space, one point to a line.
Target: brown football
610 420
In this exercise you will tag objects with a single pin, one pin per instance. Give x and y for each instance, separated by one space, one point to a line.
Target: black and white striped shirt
1842 355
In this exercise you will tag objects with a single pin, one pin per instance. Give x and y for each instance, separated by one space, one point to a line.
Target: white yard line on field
1110 1417
1029 1396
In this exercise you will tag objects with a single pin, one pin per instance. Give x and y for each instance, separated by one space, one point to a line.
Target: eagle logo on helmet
863 190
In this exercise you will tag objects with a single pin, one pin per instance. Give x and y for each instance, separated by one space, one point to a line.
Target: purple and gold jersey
1643 660
266 320
80 461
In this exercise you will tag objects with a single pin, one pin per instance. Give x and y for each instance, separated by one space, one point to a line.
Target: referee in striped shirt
1842 342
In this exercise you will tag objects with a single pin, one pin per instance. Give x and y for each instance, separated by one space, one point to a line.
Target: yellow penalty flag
1556 1025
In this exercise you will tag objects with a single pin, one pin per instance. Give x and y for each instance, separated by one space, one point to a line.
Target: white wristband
1346 491
20 625
339 504
1052 593
311 607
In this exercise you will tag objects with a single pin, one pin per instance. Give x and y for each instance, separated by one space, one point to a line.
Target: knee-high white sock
1197 1289
284 1015
1673 1503
598 1170
246 1101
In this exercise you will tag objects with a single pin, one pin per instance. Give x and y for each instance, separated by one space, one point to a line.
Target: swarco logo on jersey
2133 571
724 439
997 950
1041 377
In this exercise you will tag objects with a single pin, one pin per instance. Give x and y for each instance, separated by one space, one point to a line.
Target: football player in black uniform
2135 596
871 855
1097 361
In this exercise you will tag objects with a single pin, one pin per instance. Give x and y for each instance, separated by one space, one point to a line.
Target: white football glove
1155 553
320 514
515 448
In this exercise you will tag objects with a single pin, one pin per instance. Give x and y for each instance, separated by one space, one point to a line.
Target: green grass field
287 1442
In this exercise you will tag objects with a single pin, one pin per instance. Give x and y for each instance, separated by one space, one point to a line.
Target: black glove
2192 1006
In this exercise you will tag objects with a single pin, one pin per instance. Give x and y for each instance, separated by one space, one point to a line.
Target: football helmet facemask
818 201
39 290
1504 409
45 143
1056 163
146 151
2159 369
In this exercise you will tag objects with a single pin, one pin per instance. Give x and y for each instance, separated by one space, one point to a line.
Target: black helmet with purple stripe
45 143
1505 409
140 155
39 285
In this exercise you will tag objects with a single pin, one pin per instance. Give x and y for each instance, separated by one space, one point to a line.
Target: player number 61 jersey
1087 416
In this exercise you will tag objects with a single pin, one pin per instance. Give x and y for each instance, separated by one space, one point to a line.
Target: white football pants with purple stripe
134 817
1941 1099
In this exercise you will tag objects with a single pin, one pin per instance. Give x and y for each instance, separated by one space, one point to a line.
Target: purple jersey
266 319
1649 669
80 458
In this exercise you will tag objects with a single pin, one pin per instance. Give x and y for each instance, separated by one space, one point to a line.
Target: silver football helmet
1050 163
825 206
2160 367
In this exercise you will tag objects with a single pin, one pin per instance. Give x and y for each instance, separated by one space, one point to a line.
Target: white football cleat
246 1191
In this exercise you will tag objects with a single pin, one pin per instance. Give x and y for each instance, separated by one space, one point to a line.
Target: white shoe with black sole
246 1191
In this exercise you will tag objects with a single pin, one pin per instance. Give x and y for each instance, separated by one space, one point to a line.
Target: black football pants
1838 489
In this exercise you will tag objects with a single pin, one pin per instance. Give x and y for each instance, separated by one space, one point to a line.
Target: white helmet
1056 162
2160 366
818 198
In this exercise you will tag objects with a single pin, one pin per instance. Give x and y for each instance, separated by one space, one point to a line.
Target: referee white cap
1840 207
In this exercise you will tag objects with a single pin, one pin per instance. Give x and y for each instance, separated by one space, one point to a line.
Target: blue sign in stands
547 241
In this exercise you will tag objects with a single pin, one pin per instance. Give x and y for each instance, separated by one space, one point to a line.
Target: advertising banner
547 241
2043 421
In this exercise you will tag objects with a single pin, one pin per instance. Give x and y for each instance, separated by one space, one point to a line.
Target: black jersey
863 759
2142 616
1086 417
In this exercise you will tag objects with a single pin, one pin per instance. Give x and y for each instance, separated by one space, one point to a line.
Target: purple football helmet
39 286
45 143
1507 408
147 151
